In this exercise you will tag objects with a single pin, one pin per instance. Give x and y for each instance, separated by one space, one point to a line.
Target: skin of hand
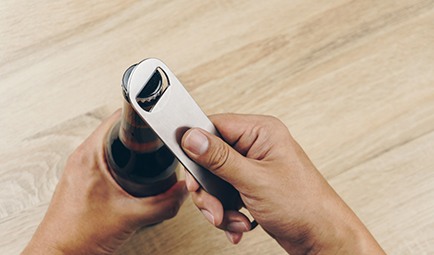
279 186
90 213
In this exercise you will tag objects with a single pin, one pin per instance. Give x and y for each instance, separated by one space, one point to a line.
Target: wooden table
352 80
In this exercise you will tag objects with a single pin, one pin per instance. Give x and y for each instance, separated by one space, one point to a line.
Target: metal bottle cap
150 92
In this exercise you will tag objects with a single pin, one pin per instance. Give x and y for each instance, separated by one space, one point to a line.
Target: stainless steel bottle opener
173 114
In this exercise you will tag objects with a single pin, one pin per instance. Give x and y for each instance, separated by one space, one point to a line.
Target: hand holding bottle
90 213
279 186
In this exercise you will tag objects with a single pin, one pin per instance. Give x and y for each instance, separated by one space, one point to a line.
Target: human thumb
214 154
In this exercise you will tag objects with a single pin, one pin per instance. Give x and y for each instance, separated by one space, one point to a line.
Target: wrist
346 235
345 240
336 230
353 240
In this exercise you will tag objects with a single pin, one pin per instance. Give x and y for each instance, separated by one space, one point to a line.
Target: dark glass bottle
138 160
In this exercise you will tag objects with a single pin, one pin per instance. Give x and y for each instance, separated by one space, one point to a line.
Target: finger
177 192
234 237
210 206
191 183
235 221
150 210
217 156
212 210
168 208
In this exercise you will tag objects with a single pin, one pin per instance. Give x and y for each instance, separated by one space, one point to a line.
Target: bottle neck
135 134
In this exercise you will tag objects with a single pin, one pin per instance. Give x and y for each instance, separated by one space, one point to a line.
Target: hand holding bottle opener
173 114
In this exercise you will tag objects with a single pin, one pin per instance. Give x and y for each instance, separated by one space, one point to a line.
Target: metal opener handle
173 114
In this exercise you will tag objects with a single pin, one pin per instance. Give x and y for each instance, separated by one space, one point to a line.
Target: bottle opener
172 115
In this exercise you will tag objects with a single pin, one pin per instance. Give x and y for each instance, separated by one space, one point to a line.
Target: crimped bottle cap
151 91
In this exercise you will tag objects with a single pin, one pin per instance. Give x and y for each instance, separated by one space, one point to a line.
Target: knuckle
219 157
273 126
198 199
274 122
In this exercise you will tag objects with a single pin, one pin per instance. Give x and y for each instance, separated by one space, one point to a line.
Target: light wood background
352 80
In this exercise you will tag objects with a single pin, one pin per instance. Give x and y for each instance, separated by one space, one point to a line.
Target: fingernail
230 237
237 226
196 142
234 238
208 216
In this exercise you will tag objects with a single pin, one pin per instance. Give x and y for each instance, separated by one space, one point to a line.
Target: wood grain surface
352 80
